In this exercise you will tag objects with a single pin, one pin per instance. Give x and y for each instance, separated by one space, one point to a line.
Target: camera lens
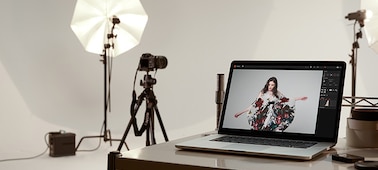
161 62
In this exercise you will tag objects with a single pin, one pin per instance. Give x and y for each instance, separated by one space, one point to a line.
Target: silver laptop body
287 109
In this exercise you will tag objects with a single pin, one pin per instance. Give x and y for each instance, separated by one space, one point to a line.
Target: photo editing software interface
283 98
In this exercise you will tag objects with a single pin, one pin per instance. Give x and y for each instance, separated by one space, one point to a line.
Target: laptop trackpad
245 147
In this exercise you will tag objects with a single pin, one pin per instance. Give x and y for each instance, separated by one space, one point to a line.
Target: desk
166 156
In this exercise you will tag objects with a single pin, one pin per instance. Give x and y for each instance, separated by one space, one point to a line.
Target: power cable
31 157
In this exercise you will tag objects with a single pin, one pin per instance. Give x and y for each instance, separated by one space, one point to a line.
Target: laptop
287 109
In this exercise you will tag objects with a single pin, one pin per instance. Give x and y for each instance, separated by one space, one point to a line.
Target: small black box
61 144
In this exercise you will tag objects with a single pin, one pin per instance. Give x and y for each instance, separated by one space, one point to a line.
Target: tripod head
148 81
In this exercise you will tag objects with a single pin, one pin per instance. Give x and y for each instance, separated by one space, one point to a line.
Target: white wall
49 82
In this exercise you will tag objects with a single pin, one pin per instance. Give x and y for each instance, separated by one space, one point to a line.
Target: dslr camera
149 62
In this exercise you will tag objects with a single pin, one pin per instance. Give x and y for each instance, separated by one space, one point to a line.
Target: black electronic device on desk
359 162
366 165
347 158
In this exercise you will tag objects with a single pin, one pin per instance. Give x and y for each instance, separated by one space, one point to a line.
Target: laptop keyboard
265 141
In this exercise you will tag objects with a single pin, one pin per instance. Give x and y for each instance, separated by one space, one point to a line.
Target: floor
93 160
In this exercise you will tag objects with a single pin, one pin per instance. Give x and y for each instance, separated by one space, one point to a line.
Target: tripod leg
161 123
148 143
152 127
131 122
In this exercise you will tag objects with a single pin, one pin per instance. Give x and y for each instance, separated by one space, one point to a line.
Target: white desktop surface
167 156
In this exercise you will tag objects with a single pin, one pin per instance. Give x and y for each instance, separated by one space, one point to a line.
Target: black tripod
149 115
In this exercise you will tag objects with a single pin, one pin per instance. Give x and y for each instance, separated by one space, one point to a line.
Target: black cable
135 76
32 157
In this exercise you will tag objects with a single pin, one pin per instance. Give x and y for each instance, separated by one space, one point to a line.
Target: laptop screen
284 98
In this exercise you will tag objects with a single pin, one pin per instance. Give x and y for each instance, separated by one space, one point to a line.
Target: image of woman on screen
271 111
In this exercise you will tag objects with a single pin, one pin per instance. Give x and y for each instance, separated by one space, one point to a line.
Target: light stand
354 101
151 109
106 60
353 61
359 18
358 131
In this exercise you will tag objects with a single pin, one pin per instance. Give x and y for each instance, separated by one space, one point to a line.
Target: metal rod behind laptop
219 96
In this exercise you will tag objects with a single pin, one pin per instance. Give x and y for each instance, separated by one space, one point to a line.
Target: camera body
149 62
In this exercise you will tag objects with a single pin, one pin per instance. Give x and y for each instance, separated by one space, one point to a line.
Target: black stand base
105 137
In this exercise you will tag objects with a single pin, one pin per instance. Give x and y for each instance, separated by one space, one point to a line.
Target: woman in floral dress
271 111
